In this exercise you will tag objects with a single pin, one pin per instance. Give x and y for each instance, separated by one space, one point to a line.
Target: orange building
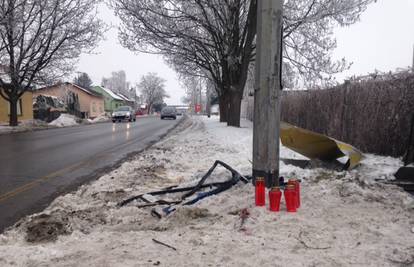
91 103
24 108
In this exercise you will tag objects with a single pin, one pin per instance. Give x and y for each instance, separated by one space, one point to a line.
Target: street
36 167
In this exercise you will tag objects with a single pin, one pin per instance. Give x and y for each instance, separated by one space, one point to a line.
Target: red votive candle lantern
290 198
296 183
275 196
260 191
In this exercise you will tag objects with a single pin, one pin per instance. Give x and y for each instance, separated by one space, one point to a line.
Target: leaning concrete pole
267 91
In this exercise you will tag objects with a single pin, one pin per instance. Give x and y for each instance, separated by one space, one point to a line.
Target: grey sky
111 56
382 40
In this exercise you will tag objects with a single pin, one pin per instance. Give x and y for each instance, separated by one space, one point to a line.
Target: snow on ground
64 120
6 129
346 218
101 118
23 126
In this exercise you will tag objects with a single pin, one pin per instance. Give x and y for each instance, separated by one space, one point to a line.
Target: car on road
168 112
123 113
140 112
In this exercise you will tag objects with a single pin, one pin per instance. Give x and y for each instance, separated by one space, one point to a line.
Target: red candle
274 199
296 183
260 194
290 198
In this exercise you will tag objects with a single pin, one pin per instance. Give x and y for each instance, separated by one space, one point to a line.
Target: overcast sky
382 40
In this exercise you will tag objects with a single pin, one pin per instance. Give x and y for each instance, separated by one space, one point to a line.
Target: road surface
35 167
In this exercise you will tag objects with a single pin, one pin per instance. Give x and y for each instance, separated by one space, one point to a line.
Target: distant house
113 100
24 108
91 103
127 100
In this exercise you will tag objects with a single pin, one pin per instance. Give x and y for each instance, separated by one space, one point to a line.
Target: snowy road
37 166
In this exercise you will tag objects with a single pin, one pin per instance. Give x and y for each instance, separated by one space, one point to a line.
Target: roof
112 94
88 91
125 98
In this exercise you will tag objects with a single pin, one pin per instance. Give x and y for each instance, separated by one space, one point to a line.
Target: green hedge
372 114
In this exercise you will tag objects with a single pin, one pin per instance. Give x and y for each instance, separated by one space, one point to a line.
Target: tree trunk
223 105
13 120
233 116
149 109
208 103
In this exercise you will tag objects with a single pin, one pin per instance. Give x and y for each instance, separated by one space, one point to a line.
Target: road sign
198 108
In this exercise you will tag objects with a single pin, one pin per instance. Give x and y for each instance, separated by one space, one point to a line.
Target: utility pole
208 102
412 66
194 95
200 102
267 91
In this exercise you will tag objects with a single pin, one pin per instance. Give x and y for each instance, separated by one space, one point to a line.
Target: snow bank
346 218
26 125
101 118
64 120
6 129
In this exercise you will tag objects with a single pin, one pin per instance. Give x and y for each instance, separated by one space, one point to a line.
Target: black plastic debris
191 194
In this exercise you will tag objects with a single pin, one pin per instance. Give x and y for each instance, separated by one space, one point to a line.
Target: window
19 108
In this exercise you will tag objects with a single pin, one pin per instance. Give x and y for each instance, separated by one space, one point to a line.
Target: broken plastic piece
318 146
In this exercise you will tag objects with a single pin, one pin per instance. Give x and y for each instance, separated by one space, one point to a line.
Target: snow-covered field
346 218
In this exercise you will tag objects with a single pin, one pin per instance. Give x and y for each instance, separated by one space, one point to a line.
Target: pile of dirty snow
64 120
101 118
346 218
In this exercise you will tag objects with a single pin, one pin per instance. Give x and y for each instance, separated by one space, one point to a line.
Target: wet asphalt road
36 167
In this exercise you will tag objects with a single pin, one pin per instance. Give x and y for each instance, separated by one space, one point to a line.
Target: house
24 104
91 103
127 100
112 100
24 108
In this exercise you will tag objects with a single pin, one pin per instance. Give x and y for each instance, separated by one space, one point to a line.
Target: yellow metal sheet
317 146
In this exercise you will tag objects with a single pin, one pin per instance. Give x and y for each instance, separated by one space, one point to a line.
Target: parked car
123 113
168 112
140 112
215 110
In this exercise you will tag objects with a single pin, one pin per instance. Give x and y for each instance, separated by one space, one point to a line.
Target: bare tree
191 85
40 40
308 39
152 88
83 80
215 39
